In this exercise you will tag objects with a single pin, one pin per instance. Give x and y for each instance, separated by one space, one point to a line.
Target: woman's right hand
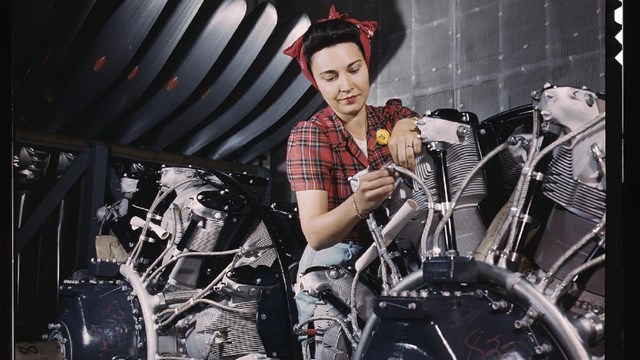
323 228
373 189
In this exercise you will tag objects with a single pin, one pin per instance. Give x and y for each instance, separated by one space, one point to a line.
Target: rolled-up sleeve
309 158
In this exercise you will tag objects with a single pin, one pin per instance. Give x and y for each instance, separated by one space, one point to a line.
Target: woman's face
342 76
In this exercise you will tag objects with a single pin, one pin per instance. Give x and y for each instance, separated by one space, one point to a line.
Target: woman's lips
350 99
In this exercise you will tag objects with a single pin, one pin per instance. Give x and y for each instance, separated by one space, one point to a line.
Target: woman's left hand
404 143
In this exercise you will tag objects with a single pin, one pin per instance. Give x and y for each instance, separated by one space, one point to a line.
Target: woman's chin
351 109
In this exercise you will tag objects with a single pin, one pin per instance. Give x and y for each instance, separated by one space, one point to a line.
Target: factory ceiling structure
197 78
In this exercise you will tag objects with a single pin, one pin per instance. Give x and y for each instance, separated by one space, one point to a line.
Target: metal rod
133 153
441 173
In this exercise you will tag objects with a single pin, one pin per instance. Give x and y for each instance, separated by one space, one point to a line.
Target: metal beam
51 200
93 190
132 153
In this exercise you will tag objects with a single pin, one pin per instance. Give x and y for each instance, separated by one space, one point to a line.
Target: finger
417 145
376 196
401 155
417 149
379 173
395 150
385 172
377 183
411 154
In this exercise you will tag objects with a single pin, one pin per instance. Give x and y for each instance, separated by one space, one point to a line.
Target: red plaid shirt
322 155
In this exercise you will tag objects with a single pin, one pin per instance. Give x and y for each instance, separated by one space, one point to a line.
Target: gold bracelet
355 205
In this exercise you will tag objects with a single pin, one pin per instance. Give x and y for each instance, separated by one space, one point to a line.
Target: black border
6 183
618 195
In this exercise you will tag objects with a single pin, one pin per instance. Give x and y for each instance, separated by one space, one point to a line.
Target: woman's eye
354 70
330 78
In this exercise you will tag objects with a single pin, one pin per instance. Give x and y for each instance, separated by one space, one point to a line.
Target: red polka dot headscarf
367 28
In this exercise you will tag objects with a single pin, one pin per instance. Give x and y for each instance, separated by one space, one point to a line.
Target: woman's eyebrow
333 71
354 63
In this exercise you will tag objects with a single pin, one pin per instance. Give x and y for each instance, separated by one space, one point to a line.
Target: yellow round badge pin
382 137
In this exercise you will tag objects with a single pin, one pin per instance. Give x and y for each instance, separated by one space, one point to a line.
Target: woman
341 140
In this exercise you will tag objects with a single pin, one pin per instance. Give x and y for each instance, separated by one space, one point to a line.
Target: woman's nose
345 84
